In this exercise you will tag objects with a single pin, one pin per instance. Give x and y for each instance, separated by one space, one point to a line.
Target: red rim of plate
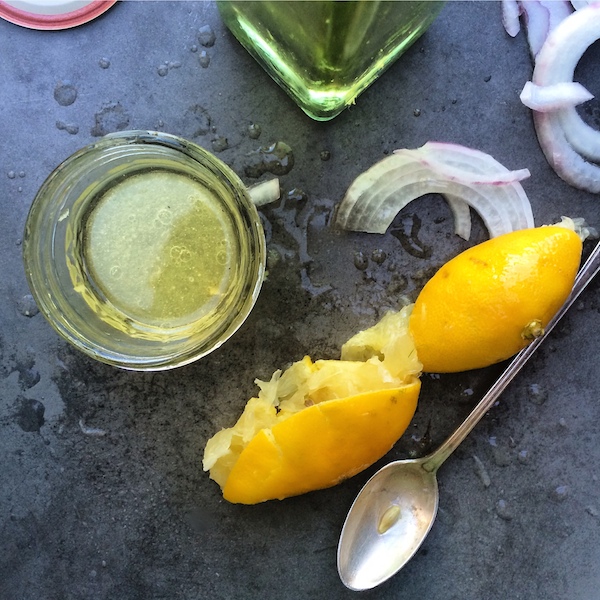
59 21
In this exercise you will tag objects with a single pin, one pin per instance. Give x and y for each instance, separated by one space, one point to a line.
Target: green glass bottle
324 53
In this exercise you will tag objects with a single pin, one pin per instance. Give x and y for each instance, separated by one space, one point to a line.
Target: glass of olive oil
144 250
324 53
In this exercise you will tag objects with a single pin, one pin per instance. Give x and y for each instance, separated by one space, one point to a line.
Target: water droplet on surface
273 258
397 284
501 456
481 472
361 261
277 159
254 131
30 415
408 236
28 376
104 63
174 64
204 59
65 94
112 117
68 127
378 256
219 144
296 196
206 36
537 394
11 174
26 306
325 155
197 120
523 456
21 174
162 70
560 492
417 112
194 48
503 511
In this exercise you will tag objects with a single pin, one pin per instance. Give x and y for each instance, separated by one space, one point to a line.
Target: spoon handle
584 276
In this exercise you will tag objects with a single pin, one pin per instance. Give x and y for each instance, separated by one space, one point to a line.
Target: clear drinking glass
324 53
144 251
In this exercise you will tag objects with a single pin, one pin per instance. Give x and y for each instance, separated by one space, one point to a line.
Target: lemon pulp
158 248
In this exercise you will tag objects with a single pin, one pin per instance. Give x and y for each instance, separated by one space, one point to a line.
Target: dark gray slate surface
130 515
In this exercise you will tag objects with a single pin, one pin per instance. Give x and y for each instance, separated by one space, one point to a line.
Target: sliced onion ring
552 97
465 177
565 139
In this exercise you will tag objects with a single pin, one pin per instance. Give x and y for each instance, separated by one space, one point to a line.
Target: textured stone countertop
129 514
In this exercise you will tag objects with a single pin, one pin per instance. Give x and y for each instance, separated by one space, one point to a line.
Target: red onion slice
552 97
565 139
511 10
464 176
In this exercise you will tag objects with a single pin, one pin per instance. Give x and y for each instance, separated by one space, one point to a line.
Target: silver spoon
395 510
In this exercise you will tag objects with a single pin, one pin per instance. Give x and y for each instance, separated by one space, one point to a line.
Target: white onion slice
264 192
541 17
510 16
552 97
565 139
464 176
579 4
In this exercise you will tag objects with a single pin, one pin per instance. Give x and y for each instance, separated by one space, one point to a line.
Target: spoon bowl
391 517
396 508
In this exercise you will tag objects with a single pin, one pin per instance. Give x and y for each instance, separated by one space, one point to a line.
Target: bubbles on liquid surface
164 216
180 254
65 93
116 272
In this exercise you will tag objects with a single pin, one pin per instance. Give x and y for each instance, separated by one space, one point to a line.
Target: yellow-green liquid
158 249
324 53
